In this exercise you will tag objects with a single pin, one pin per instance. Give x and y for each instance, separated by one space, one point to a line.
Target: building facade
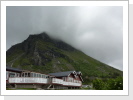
18 78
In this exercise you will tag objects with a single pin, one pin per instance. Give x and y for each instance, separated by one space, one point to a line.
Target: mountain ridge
41 53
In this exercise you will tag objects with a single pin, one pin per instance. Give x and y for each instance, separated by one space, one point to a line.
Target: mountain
41 53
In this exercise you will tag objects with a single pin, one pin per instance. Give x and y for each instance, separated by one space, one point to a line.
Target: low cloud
97 31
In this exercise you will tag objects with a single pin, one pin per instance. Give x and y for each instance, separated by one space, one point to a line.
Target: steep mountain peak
46 38
42 35
41 53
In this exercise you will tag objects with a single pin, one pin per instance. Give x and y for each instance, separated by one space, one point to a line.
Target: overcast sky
97 31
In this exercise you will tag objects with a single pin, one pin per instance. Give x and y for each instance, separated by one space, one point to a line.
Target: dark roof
59 74
13 69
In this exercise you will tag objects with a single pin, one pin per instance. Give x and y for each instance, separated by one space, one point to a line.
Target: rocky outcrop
41 53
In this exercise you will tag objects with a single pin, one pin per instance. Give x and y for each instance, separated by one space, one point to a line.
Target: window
34 74
22 75
70 79
47 76
40 75
31 75
26 74
17 74
12 74
44 76
7 73
64 78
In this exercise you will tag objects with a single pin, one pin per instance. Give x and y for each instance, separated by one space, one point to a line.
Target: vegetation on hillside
108 84
40 53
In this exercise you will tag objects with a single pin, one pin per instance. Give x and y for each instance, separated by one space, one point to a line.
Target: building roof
60 74
13 69
67 73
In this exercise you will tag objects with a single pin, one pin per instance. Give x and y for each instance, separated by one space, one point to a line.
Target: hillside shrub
109 84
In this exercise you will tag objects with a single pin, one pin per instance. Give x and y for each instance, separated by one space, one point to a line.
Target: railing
41 80
27 80
60 81
57 81
71 84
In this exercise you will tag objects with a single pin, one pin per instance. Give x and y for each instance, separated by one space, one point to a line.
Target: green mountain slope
40 53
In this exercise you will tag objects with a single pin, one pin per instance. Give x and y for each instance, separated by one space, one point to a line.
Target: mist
95 30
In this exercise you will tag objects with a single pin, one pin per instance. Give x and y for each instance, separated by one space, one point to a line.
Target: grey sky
97 31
